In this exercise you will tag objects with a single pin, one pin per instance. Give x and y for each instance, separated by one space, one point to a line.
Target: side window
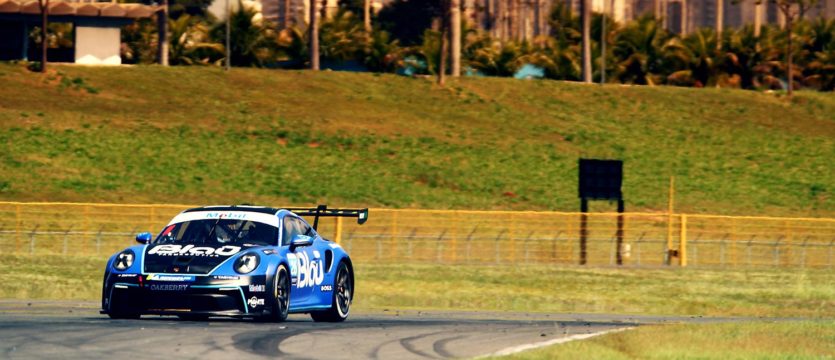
289 230
304 228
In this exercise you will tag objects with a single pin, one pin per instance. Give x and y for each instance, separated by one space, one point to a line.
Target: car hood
187 258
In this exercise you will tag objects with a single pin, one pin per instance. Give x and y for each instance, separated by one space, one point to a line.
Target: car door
311 271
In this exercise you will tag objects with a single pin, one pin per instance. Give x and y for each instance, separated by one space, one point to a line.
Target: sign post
600 180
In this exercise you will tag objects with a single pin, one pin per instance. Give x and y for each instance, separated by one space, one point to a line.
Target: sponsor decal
294 265
257 288
226 277
180 278
191 250
226 215
254 301
169 287
127 275
326 288
311 271
334 246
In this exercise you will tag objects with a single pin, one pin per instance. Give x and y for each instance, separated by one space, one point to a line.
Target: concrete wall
97 45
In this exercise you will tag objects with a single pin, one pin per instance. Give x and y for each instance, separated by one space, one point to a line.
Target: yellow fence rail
463 237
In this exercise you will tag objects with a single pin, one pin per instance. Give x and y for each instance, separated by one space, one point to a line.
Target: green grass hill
199 135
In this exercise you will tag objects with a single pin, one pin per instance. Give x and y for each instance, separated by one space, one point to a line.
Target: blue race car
239 261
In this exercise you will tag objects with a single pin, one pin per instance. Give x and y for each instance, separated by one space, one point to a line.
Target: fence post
337 237
393 234
32 241
455 226
733 241
17 228
66 235
98 242
682 245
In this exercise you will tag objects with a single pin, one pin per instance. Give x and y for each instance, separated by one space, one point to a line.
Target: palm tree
752 58
252 41
638 50
190 43
342 37
697 57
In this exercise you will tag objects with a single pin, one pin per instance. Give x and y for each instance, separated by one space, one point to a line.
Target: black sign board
601 179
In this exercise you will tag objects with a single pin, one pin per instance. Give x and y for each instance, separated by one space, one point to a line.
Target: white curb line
526 347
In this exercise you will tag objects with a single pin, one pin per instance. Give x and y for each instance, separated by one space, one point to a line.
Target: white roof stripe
241 215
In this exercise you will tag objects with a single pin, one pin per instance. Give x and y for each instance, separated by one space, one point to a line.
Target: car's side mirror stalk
299 240
143 238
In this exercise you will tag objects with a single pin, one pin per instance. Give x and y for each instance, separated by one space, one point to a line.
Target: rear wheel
281 296
343 294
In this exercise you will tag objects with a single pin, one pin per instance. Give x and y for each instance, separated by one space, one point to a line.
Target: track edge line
525 347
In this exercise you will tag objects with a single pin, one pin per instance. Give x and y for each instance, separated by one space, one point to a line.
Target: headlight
124 260
246 263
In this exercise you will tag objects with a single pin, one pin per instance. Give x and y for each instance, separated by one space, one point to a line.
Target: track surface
76 330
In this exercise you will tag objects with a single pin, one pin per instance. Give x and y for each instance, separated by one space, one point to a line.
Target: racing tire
281 296
343 294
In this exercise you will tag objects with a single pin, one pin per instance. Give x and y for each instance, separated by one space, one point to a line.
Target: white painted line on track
562 340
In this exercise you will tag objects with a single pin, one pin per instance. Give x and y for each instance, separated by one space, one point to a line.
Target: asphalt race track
67 330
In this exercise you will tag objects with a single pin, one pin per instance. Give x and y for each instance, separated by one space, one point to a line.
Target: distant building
96 29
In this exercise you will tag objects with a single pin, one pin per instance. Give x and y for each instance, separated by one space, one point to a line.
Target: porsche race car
240 261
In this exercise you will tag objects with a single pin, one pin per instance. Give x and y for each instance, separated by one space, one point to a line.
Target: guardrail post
682 245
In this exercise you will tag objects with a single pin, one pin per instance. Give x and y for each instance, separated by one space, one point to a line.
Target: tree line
415 36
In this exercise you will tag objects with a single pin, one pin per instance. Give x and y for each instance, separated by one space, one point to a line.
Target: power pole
444 42
162 36
585 13
720 22
603 44
455 31
366 7
314 36
228 62
44 5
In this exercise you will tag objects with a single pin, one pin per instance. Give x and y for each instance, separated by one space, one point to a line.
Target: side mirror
143 238
300 241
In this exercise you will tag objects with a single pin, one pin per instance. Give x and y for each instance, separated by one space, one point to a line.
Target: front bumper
205 295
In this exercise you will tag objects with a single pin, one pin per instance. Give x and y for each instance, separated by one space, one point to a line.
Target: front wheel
281 296
343 294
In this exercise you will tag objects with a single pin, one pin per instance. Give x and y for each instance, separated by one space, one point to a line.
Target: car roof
248 208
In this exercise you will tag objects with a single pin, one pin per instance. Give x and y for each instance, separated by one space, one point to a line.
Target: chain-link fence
465 237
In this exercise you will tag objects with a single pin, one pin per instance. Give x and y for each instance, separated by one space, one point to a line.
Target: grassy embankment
769 293
199 135
757 340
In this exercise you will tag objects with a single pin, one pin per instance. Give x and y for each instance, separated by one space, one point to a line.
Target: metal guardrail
463 237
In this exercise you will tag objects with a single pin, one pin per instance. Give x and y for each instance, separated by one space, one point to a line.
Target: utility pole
455 31
44 5
162 29
603 44
720 22
585 13
314 36
366 7
228 62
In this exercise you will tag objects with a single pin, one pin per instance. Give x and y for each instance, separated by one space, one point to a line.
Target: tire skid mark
439 346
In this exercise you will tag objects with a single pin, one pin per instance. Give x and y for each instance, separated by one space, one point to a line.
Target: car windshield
219 232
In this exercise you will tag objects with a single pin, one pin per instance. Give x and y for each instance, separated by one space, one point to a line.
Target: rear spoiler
323 211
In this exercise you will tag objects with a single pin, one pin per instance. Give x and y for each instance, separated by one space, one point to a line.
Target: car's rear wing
323 211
